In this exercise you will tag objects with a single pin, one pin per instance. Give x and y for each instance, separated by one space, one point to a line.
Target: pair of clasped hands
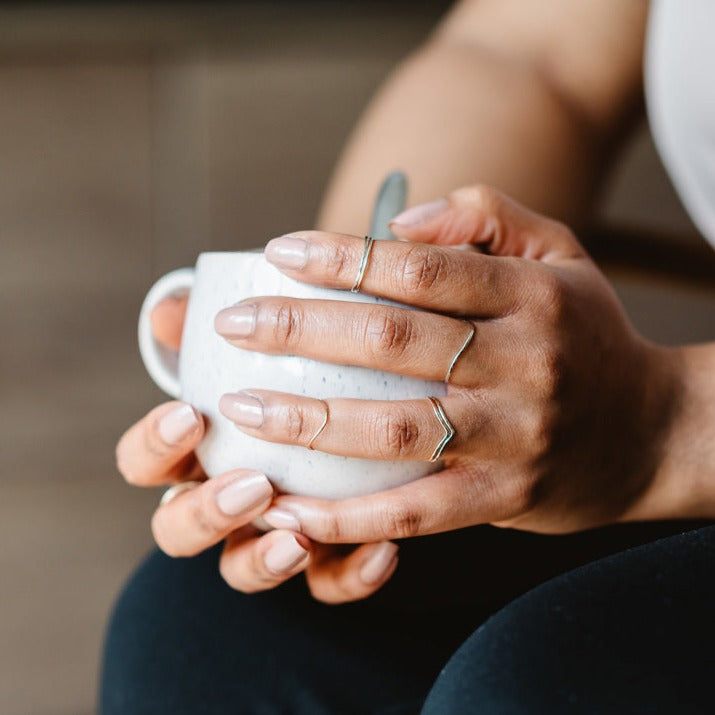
547 400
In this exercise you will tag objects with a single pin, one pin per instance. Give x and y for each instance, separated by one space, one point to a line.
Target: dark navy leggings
563 624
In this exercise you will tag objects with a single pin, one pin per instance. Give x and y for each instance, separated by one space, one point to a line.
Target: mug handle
160 362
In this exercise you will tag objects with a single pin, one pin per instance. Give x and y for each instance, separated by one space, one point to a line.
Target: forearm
482 102
489 122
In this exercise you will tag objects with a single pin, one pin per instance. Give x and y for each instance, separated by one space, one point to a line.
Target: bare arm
528 97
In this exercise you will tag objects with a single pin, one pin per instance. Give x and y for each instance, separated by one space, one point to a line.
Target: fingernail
242 408
244 493
287 252
239 321
421 213
282 519
379 562
284 555
177 424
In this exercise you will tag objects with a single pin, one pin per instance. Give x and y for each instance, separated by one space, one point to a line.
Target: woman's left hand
560 408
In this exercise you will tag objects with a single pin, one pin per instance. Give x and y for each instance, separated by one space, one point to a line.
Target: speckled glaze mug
207 367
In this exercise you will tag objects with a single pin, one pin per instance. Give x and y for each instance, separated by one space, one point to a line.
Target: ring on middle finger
321 428
458 354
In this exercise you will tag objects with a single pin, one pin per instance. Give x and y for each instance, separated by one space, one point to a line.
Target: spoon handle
391 200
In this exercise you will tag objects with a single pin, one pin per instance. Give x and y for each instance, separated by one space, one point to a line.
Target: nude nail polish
177 424
287 252
421 213
284 555
281 519
238 321
242 408
379 563
244 493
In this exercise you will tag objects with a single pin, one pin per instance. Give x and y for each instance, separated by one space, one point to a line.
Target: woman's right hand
159 450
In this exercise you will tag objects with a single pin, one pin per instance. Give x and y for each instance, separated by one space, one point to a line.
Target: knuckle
395 435
294 423
401 520
329 528
490 280
482 196
549 370
552 296
288 321
388 333
420 269
339 261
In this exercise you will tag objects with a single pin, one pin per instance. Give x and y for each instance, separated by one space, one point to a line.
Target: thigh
181 641
633 632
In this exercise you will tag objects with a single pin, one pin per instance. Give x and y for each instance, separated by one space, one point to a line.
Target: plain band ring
446 425
472 331
172 492
321 428
367 249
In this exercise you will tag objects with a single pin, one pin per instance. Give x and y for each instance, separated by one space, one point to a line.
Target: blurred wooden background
132 138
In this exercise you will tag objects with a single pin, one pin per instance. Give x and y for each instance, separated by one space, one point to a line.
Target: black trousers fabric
629 632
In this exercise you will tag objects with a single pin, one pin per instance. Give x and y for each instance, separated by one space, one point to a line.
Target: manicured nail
242 408
287 252
281 519
177 424
239 321
244 494
421 213
284 555
379 563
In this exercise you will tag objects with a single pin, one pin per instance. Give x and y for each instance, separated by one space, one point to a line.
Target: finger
484 216
335 577
201 517
452 499
159 448
167 321
371 429
437 278
264 562
410 342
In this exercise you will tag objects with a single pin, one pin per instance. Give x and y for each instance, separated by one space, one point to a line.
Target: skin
555 382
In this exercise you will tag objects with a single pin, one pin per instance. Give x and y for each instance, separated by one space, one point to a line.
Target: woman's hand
561 410
159 450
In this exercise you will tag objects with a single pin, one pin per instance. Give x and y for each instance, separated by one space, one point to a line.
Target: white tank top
680 95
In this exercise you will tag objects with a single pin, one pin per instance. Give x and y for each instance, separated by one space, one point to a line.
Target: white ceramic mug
207 367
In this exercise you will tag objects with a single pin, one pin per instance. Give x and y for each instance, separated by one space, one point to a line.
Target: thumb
482 216
167 321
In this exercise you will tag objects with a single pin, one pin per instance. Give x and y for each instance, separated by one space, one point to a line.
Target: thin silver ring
472 331
172 492
367 249
321 428
446 425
